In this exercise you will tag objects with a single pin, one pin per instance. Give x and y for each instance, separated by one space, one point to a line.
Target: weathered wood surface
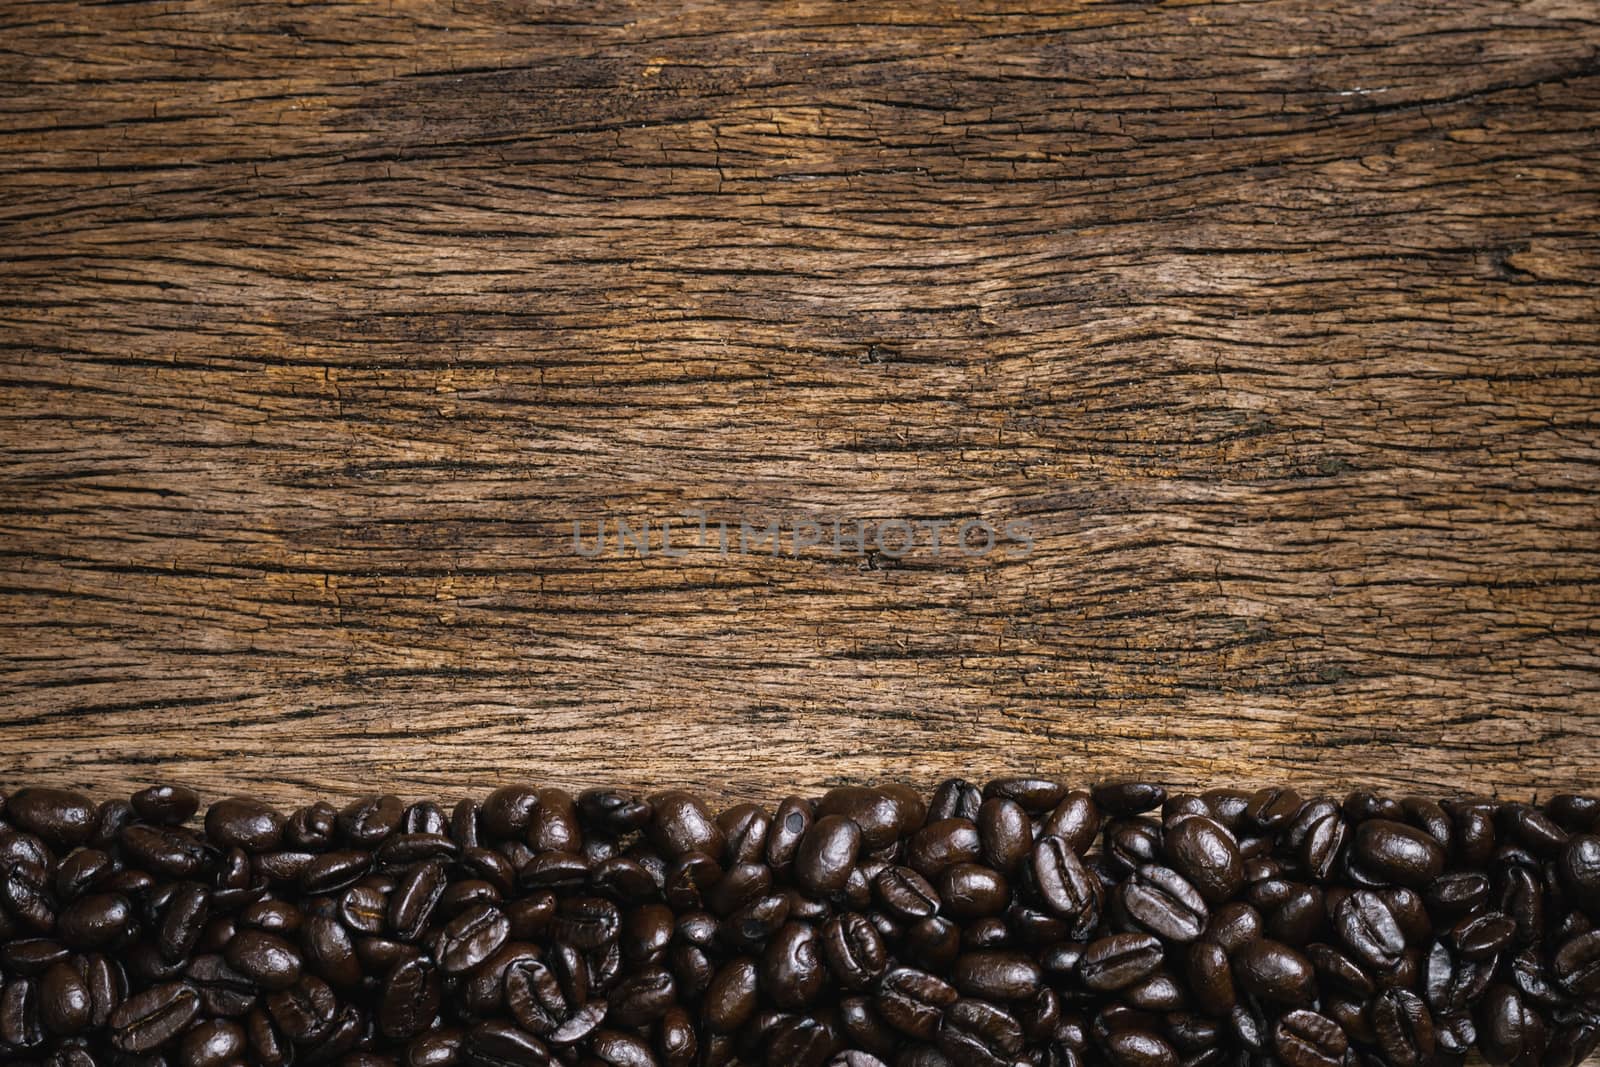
322 322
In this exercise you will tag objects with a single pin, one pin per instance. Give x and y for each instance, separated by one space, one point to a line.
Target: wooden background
322 323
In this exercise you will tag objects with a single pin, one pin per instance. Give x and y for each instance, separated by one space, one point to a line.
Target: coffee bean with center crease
1119 960
1576 965
147 1020
472 937
1404 1028
913 1002
1162 901
854 950
1305 1038
979 1033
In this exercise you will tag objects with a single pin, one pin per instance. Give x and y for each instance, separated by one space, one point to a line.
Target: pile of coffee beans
1022 922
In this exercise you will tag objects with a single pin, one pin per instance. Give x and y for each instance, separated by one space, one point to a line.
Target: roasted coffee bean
826 855
997 975
1076 820
65 1006
1404 1027
944 844
1395 852
60 816
1207 854
266 959
1162 901
1576 965
95 921
854 950
791 967
244 823
1304 1038
1064 885
971 891
147 1020
1274 972
1119 960
473 936
1210 978
913 1002
681 823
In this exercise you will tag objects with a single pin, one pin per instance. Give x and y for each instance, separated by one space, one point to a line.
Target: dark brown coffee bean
1395 852
792 967
266 959
681 823
1304 1038
367 821
971 891
730 999
1119 960
147 1020
826 855
501 1044
1576 965
414 899
167 805
913 1002
60 816
472 937
978 1032
1005 834
1211 978
943 844
95 921
1274 972
245 823
1139 1048
905 893
1207 854
642 997
1404 1028
1162 901
65 1006
881 816
411 998
997 975
854 950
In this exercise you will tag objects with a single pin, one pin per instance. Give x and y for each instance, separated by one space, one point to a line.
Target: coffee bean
60 816
1119 960
1163 902
913 1002
1207 854
1304 1038
147 1020
826 855
1274 972
1398 853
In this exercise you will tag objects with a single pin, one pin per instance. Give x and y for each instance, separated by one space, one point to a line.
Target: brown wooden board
323 322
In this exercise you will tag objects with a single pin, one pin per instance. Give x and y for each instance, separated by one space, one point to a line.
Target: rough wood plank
322 322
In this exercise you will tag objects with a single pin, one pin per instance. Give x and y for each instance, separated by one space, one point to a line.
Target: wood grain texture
322 323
